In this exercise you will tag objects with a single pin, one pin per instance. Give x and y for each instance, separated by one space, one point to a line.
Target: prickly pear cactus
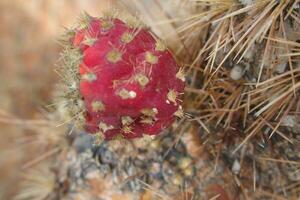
122 82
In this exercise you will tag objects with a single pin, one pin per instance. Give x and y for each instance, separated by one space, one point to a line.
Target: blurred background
29 50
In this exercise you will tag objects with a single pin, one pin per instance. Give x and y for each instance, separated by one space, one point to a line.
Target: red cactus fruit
129 81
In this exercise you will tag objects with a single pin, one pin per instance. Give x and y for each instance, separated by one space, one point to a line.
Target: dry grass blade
38 184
